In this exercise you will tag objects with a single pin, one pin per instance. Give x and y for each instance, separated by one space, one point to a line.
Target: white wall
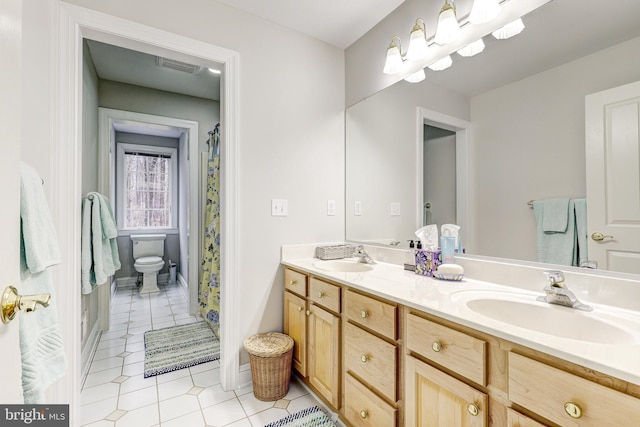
291 130
528 142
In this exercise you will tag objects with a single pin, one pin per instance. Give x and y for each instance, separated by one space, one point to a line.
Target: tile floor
116 394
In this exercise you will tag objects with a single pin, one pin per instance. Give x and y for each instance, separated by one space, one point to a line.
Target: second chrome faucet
558 293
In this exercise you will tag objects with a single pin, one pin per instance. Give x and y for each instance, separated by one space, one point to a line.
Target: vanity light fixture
442 64
512 29
418 45
472 48
394 62
484 11
416 77
448 28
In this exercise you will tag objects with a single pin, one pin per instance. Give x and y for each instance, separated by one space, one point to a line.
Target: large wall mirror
489 134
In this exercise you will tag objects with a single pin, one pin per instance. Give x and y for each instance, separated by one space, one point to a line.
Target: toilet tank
148 245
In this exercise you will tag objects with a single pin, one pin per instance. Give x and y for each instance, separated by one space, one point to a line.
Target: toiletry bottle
410 258
448 248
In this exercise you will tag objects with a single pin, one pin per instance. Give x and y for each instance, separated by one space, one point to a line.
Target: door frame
74 24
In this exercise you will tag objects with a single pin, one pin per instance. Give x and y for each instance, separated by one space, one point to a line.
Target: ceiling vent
177 65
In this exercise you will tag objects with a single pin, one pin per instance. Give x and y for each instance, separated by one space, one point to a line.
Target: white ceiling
337 22
558 32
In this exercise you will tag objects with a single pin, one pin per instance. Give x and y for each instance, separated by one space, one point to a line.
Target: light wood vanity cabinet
380 364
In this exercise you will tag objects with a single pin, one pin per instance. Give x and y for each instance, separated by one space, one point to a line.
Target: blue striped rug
310 417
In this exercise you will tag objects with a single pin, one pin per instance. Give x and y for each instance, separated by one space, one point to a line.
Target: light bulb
394 62
448 28
418 46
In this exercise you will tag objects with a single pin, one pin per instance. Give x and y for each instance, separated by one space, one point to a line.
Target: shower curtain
209 289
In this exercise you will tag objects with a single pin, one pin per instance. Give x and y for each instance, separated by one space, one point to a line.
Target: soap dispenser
410 257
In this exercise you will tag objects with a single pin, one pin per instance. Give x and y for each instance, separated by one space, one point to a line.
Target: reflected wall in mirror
526 141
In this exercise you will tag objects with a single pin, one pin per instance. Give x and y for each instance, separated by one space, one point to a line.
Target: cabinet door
295 325
435 399
323 347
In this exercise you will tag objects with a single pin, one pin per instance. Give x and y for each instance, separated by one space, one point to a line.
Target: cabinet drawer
325 294
363 408
376 315
295 282
372 359
447 347
516 419
563 397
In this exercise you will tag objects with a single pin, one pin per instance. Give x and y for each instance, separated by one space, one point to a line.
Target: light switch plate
357 208
331 207
279 207
395 209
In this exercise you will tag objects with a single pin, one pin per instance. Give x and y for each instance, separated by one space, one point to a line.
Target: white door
10 43
613 177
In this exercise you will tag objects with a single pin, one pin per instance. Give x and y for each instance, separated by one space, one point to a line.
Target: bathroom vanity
386 347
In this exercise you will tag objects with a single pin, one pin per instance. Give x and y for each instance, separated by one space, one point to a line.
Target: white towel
41 346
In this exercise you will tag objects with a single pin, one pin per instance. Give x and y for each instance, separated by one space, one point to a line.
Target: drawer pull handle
300 308
364 358
573 410
293 282
436 346
364 314
364 414
473 409
308 312
320 294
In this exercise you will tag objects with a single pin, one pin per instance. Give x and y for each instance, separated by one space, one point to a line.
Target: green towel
556 248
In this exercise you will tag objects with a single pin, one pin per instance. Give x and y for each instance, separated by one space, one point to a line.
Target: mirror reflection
525 141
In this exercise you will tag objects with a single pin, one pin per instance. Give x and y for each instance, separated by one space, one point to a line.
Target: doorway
76 24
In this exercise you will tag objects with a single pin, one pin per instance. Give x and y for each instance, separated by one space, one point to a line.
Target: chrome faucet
558 293
362 255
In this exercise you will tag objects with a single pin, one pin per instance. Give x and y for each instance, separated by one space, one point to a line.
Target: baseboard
123 282
183 286
88 351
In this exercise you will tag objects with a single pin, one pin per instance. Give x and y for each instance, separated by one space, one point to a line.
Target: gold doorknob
573 410
364 414
473 409
12 302
364 314
599 237
436 346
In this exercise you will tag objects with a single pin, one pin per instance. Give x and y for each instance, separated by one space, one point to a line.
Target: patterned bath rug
309 417
178 347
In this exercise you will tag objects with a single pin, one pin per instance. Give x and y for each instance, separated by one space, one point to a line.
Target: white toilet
148 250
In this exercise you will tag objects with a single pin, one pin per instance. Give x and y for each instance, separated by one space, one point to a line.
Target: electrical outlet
357 208
331 207
395 209
279 207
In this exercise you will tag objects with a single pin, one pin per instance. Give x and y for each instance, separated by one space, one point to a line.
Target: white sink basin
523 311
343 265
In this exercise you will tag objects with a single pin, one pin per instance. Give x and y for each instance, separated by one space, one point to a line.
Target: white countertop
446 299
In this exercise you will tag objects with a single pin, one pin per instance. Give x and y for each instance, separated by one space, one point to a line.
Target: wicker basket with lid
270 359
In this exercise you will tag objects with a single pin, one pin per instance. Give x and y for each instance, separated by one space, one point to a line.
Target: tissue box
427 261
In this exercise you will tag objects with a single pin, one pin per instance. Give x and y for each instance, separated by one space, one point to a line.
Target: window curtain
209 289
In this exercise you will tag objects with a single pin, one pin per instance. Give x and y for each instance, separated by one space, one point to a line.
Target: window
146 186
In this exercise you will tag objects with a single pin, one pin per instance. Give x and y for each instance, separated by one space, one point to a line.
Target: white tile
99 392
177 407
252 405
97 410
174 375
110 343
135 338
194 419
186 321
142 417
207 378
295 390
135 357
104 364
268 416
102 377
139 329
101 423
174 388
224 413
136 383
214 395
163 324
133 369
241 423
244 390
196 369
135 346
108 352
306 401
138 399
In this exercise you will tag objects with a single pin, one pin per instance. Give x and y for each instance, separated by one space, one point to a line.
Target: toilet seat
148 260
